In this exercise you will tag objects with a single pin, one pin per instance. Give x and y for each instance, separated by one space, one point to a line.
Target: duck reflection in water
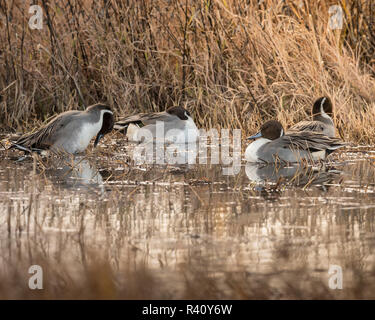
297 175
164 154
75 172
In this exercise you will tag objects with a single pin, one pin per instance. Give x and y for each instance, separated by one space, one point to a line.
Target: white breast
191 131
87 132
252 149
185 132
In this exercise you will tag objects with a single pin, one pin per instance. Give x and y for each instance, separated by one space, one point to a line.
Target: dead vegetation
233 63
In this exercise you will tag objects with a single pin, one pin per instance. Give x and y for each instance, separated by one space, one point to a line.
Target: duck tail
19 147
25 149
335 146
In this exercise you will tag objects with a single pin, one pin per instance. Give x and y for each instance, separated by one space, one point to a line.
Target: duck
70 131
272 144
176 125
322 113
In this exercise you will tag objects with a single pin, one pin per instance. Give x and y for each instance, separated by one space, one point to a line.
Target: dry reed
233 63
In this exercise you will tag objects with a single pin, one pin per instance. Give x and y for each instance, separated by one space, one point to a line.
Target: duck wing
315 126
310 141
47 135
142 119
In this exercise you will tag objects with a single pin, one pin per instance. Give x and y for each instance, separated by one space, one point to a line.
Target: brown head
271 130
102 110
322 106
180 112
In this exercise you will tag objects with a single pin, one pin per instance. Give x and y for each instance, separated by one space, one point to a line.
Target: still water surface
176 220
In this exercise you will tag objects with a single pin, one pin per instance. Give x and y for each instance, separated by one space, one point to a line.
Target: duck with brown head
322 113
272 144
176 118
70 131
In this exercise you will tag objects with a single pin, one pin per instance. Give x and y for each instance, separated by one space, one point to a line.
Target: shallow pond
187 231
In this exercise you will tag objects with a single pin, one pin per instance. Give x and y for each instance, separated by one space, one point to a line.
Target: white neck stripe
322 112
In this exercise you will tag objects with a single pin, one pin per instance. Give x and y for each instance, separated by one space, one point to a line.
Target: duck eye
187 114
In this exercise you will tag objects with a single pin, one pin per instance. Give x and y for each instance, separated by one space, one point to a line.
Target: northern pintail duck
273 144
177 123
322 122
70 131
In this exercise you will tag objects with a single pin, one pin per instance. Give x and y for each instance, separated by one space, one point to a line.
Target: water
265 232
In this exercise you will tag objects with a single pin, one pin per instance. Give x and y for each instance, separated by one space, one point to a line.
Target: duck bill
97 139
255 136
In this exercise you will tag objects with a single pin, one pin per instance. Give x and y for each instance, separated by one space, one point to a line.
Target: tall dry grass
233 63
